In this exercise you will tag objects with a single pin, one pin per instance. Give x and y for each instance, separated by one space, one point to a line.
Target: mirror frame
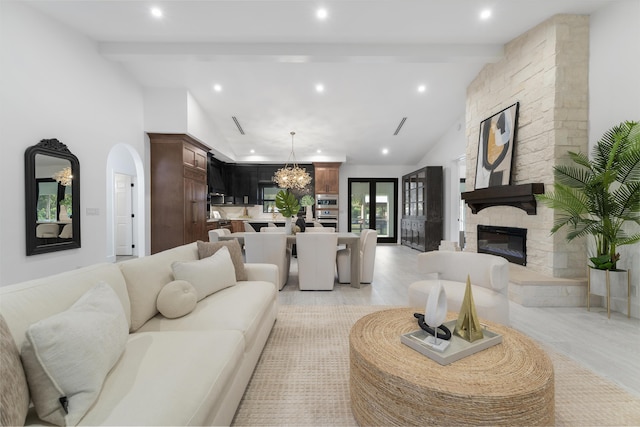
52 148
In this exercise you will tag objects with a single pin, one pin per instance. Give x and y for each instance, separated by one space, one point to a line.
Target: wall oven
327 210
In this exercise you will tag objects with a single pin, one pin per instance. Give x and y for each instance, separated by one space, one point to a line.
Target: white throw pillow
207 275
67 356
177 299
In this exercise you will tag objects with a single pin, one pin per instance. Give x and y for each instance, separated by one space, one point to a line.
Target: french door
373 203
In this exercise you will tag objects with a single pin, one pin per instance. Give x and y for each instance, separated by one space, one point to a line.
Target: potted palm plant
596 197
288 206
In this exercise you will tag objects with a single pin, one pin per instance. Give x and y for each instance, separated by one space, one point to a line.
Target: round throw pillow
177 299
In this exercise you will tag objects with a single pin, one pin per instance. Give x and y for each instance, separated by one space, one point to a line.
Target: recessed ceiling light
252 151
156 12
422 88
322 14
319 88
485 14
318 151
217 87
385 151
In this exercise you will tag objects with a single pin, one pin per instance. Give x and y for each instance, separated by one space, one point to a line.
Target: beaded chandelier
64 176
292 176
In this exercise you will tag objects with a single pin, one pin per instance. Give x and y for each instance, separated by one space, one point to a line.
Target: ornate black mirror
52 186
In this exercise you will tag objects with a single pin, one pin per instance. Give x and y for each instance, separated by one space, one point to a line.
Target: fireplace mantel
519 196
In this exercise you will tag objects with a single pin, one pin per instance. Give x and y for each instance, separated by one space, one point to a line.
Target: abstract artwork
495 148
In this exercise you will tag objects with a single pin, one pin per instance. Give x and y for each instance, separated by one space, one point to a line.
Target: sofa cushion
23 304
206 249
146 276
169 379
208 275
67 356
176 299
14 392
241 307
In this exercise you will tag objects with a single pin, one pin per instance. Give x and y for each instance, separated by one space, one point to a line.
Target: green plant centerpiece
598 196
287 203
307 200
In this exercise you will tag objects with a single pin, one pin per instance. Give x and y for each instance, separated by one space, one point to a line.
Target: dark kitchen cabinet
422 209
244 183
178 171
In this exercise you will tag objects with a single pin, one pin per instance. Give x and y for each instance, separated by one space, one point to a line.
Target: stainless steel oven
327 210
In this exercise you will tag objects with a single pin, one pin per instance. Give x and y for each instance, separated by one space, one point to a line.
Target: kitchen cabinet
237 226
327 178
244 182
178 171
421 226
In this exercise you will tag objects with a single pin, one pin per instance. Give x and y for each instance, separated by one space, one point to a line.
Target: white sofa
190 370
489 276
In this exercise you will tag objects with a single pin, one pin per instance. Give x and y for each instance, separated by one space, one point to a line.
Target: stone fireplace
546 70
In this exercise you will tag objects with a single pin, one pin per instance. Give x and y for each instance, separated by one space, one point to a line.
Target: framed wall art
495 148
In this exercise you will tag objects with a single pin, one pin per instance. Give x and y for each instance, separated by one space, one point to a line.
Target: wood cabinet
237 226
421 226
178 190
327 178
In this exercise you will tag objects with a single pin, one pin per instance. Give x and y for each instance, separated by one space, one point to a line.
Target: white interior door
123 218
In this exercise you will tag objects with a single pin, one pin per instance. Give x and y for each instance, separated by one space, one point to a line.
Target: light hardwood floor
609 347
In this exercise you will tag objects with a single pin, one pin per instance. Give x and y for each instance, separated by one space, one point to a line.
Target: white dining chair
316 261
320 229
368 242
274 229
269 248
248 227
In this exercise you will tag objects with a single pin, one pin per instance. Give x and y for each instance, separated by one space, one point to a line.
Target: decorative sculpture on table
432 321
468 325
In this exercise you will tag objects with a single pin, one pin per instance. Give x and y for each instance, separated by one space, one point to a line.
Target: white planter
618 282
309 213
287 226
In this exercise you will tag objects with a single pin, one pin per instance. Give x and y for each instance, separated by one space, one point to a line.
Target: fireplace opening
507 242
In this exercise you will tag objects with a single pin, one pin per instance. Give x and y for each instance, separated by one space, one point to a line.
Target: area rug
302 378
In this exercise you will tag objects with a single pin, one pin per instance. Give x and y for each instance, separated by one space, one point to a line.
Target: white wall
54 84
614 96
446 152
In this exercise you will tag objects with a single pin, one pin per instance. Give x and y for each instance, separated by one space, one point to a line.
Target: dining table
351 240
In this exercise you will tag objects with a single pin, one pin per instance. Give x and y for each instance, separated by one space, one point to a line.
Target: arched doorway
125 162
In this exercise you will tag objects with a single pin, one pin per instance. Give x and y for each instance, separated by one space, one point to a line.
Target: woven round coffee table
391 384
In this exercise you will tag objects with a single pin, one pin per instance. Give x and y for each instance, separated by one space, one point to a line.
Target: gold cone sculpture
468 325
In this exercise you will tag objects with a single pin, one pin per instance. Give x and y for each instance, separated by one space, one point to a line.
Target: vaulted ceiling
381 64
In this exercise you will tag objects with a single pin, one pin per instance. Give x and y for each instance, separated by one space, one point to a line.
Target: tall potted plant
288 206
598 196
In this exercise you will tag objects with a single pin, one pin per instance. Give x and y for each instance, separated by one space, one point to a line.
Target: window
268 195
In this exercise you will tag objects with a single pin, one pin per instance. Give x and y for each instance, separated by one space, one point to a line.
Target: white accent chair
269 248
320 229
248 227
368 243
489 282
47 231
67 232
316 261
214 235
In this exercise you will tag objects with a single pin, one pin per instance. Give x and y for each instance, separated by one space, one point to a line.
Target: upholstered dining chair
368 243
320 230
47 231
316 261
269 248
274 229
248 227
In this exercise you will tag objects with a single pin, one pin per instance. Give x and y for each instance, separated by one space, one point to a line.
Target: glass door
378 212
